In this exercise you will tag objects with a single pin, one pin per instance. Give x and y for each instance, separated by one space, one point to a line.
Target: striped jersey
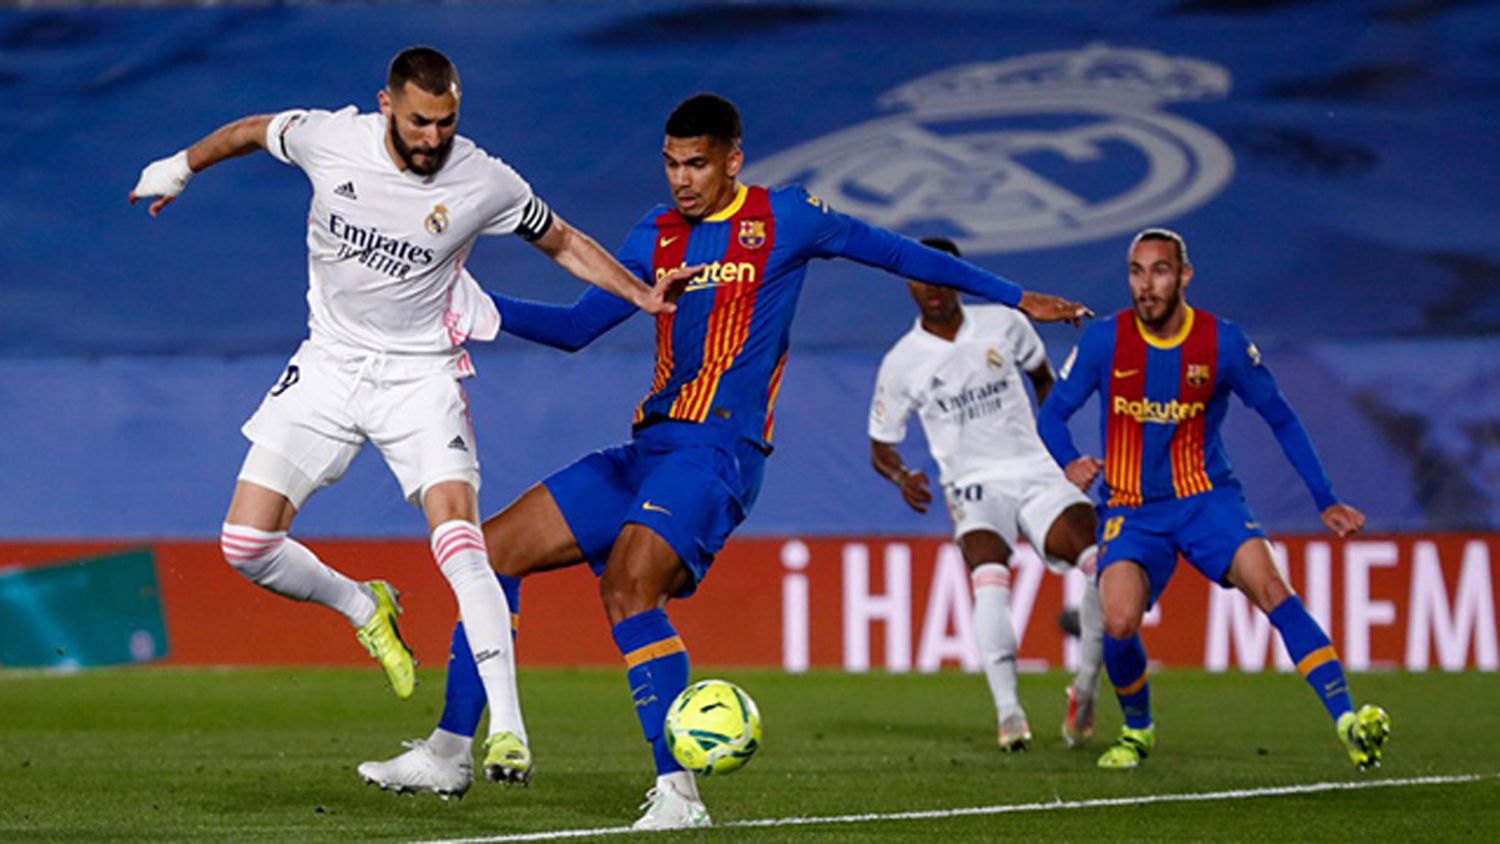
720 356
1163 404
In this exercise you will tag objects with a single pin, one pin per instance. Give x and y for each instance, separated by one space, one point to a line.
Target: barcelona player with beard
648 516
1164 372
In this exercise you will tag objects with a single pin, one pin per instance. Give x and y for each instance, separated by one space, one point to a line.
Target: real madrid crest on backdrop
1033 152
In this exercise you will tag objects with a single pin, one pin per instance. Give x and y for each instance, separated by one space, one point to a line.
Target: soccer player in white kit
398 201
959 369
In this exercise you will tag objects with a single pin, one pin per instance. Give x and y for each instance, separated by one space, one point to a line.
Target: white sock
996 634
450 745
459 548
285 566
1090 626
682 782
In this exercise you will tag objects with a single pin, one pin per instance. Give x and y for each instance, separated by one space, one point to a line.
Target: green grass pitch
269 755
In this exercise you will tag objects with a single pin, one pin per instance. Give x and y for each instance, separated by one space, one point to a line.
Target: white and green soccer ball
713 727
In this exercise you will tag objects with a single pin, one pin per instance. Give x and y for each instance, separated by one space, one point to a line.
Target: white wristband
165 176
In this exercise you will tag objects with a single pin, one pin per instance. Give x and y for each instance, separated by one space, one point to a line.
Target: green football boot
381 638
1129 749
507 759
1364 734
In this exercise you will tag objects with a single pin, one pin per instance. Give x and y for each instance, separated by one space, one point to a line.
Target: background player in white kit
959 370
398 201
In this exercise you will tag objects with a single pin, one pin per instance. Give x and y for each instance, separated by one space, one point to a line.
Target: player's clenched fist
163 178
1083 471
915 490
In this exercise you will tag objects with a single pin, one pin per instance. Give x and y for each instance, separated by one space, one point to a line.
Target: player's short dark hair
1168 236
424 67
942 244
705 115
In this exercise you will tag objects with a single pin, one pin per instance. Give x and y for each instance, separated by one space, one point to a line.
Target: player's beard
1170 303
436 156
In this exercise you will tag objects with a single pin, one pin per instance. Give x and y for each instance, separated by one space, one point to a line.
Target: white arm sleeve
277 131
294 135
1029 351
890 407
514 208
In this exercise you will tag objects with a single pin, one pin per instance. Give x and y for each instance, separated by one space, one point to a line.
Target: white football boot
668 808
420 769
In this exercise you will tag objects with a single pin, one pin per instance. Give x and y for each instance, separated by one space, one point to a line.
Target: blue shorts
691 484
1207 529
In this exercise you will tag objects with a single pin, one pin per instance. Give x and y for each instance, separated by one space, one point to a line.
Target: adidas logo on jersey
346 190
458 443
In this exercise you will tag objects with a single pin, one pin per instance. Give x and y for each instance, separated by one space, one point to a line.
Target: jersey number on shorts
972 492
288 378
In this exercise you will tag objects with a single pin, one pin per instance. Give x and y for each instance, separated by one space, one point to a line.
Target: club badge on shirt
752 233
437 221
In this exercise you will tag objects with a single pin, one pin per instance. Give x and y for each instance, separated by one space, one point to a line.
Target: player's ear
734 162
384 99
1187 275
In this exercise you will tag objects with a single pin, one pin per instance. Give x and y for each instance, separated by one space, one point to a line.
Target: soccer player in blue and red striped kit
648 516
1164 372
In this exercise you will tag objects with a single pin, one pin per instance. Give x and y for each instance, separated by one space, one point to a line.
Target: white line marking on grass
1007 809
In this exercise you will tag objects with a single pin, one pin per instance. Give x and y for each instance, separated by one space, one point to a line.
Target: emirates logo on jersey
437 221
752 233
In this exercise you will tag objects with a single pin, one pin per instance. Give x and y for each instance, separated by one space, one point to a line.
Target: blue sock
1125 660
657 667
511 586
463 697
1314 655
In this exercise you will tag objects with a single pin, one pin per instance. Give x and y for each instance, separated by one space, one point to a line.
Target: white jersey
967 392
386 247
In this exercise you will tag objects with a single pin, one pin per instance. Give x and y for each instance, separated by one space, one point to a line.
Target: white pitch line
1006 809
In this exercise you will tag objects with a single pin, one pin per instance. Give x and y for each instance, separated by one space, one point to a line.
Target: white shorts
1017 503
329 401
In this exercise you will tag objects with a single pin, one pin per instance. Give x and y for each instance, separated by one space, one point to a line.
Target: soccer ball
713 727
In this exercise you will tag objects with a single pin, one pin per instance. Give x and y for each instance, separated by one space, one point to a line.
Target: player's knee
624 597
1121 622
248 550
1272 594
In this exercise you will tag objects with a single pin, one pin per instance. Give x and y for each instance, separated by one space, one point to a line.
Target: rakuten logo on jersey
384 254
1155 412
717 273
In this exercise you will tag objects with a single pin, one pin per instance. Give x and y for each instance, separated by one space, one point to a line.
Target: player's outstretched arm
580 255
165 178
905 257
887 462
565 327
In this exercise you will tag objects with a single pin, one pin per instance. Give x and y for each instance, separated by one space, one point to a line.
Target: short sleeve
891 406
293 134
513 207
1028 350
